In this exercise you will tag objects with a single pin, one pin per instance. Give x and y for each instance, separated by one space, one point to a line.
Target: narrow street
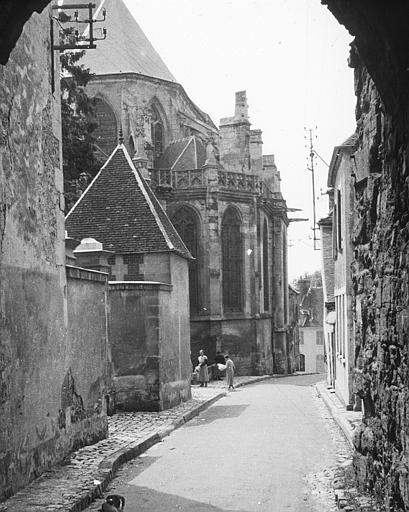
270 446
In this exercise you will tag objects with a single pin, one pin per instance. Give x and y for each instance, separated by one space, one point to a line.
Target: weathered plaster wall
47 404
311 350
344 335
87 298
32 273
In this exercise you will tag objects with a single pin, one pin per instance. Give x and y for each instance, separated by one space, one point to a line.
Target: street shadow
217 412
144 499
295 380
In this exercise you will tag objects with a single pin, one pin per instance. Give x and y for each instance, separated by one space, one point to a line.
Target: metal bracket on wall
71 37
69 34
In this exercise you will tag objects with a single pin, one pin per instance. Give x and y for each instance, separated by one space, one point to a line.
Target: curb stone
339 419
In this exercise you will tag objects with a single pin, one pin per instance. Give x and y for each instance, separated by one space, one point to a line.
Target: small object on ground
113 503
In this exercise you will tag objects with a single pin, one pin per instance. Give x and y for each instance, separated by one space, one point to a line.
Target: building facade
337 240
311 333
222 194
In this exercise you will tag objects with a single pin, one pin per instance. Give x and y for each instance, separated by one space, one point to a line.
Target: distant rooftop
183 154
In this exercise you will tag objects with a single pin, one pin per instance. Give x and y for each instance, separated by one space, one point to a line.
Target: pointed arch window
131 146
156 134
265 268
105 133
186 223
232 261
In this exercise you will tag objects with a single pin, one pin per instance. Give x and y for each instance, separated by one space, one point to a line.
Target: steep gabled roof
119 209
126 49
184 154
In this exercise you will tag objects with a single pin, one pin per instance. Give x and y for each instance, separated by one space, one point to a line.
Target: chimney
91 255
242 109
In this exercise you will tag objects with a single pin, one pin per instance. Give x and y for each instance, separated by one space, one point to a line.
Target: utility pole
312 154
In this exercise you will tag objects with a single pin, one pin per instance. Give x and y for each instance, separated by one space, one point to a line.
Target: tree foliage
78 124
77 117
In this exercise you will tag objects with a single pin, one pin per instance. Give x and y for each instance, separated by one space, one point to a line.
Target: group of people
221 363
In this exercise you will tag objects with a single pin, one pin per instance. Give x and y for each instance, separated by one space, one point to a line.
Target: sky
291 58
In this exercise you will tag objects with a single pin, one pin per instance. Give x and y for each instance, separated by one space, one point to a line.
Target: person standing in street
229 372
203 371
219 359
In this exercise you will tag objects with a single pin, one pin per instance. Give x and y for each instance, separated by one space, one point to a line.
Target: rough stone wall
380 281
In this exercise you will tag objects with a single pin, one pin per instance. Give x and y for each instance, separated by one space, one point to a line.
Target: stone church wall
123 94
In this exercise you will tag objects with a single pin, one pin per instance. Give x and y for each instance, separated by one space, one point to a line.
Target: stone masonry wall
380 281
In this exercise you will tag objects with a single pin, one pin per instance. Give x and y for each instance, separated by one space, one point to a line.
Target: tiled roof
184 154
120 210
126 49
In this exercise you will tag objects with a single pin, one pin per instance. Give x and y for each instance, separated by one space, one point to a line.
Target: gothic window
186 224
106 131
156 134
265 268
232 261
131 146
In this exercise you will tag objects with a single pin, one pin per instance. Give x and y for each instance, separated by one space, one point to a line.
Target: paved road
265 447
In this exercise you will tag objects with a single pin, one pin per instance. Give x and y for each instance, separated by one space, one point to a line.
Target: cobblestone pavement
73 486
341 423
